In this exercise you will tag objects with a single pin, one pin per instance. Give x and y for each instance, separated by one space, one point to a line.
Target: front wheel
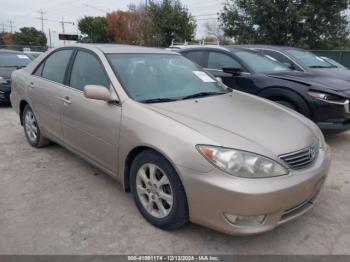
157 191
32 130
287 104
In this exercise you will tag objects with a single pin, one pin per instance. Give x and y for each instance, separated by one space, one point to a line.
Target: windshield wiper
319 66
158 100
203 94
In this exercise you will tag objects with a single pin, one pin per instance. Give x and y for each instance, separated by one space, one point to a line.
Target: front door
90 127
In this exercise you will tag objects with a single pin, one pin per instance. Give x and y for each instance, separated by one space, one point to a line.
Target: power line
41 12
98 8
11 23
206 19
62 22
205 15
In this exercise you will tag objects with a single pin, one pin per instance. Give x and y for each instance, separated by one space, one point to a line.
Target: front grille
302 158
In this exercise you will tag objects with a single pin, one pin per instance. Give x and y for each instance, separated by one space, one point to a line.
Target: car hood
238 119
315 79
333 72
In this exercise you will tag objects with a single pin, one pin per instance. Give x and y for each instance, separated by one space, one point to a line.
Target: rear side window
197 57
219 61
56 65
87 70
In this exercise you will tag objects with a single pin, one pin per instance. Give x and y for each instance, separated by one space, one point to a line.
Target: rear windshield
13 59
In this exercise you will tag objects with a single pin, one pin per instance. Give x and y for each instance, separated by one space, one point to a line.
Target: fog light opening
245 220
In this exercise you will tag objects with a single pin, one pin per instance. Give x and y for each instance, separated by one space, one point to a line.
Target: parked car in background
186 146
321 98
9 61
301 60
32 54
333 62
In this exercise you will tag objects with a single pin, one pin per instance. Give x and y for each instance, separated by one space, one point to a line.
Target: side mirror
233 71
97 92
289 65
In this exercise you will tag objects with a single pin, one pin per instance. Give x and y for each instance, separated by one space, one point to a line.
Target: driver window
219 61
87 70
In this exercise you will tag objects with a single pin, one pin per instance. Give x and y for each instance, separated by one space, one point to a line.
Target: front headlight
2 80
327 97
240 163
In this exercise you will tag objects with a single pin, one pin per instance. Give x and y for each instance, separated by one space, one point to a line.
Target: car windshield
13 59
309 59
333 62
162 77
261 64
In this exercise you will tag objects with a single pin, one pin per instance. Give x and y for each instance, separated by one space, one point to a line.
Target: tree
303 23
29 36
5 38
169 20
125 27
94 29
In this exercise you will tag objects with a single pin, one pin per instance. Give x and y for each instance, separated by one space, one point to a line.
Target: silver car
187 148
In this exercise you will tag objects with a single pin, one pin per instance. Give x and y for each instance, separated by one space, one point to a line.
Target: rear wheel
157 191
32 130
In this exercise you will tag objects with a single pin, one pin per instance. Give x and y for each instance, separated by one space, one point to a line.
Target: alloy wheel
31 126
154 190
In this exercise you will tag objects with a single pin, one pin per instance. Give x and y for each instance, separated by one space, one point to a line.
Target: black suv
9 61
321 98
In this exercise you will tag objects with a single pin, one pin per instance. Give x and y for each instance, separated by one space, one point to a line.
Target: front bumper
333 116
5 91
280 199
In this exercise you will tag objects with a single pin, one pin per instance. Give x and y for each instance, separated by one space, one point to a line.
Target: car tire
32 130
157 191
296 104
286 104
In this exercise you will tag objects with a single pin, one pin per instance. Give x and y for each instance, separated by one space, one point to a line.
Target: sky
26 13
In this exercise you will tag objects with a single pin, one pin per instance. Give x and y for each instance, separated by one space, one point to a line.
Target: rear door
90 127
45 89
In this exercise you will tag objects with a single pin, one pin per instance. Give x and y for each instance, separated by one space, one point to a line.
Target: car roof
229 48
273 47
116 48
10 51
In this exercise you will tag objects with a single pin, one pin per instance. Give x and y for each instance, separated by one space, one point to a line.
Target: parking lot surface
52 202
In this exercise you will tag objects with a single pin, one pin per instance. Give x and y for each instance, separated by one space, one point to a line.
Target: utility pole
3 27
11 25
50 45
62 22
41 12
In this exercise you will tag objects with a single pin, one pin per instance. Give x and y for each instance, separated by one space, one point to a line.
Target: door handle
31 85
66 100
